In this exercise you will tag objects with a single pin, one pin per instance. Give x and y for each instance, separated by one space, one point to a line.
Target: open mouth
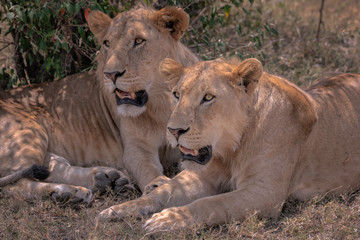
138 98
201 156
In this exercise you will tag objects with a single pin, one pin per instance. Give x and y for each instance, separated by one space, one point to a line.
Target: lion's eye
176 95
138 41
106 43
207 98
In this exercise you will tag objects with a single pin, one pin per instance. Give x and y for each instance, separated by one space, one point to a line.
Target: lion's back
330 157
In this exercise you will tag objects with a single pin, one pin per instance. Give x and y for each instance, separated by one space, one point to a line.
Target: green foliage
51 38
225 28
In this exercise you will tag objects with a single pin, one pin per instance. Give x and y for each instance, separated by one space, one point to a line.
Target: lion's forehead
204 75
131 24
207 70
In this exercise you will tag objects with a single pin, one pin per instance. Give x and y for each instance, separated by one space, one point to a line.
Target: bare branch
320 19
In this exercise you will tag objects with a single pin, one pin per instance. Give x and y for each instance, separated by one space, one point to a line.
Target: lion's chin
127 110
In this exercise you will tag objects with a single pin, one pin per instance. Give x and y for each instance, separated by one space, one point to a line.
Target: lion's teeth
196 152
122 94
132 95
119 94
192 152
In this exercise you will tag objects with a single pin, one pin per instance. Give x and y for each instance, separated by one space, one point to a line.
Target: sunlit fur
272 141
141 63
76 122
206 120
142 128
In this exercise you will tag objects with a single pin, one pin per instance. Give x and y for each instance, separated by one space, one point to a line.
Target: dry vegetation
294 54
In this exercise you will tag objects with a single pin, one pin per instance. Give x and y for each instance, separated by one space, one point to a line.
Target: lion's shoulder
302 104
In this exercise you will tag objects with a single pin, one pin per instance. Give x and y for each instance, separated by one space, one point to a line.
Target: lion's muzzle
139 98
201 156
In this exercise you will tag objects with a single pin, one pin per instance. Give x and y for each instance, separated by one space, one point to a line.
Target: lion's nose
177 132
114 75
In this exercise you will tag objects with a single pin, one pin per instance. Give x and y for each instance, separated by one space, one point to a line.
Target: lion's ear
98 23
171 19
247 73
171 71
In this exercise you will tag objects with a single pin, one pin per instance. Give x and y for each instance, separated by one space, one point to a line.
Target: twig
320 20
5 47
6 42
199 15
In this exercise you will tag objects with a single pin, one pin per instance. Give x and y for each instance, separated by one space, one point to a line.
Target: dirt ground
295 54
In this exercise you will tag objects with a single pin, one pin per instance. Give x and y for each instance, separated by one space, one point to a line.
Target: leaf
274 31
65 46
251 1
23 16
214 11
31 16
227 9
203 21
239 29
267 29
211 23
236 2
77 8
207 41
42 45
245 11
10 16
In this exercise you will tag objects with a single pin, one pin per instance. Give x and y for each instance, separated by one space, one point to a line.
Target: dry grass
320 218
296 55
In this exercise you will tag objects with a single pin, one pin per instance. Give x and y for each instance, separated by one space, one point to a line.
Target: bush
225 28
52 39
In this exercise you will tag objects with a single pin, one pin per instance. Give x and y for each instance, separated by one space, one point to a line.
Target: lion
261 140
98 130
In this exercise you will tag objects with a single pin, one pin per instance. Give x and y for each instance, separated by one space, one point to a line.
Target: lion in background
115 118
261 138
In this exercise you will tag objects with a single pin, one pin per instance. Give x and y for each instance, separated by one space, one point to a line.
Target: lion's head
132 46
211 105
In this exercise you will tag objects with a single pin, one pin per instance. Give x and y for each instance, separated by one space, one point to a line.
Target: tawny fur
74 124
271 141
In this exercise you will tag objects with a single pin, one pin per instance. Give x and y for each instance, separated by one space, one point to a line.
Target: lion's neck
113 121
182 55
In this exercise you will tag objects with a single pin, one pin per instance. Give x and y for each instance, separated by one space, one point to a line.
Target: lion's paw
169 219
119 212
132 209
72 194
109 178
157 182
110 214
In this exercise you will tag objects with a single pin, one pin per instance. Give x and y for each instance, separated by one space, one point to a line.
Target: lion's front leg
222 208
170 219
181 190
98 179
157 182
143 164
30 189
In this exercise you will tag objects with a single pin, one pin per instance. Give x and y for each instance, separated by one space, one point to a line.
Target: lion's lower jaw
128 110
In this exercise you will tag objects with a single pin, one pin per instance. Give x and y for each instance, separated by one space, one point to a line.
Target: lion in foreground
115 118
261 138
